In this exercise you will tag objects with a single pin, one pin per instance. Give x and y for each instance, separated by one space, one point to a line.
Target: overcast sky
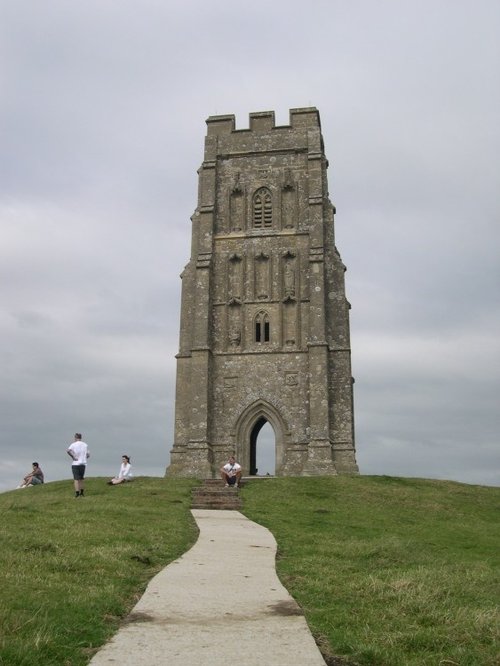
102 122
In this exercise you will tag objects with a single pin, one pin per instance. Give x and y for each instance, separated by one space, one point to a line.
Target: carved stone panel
289 277
289 323
288 201
236 205
235 278
262 276
234 330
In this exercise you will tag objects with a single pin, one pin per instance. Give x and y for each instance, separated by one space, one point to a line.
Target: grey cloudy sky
102 116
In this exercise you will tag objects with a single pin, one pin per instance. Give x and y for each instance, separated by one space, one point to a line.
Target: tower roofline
300 118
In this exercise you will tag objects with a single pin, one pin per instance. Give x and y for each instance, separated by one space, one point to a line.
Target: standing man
231 473
78 452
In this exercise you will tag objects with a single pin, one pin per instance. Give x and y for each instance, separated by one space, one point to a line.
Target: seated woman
125 473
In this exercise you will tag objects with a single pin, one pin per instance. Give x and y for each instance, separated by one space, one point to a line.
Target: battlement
264 121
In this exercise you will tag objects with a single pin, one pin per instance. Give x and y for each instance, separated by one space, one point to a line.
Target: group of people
79 453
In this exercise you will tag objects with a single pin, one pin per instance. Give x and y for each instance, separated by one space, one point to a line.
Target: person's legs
78 475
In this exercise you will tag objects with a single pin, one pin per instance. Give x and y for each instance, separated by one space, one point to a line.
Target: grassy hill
389 571
70 569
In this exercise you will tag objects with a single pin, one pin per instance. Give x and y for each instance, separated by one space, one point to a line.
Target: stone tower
264 333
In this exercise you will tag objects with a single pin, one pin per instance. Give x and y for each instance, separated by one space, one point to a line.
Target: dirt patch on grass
285 608
338 661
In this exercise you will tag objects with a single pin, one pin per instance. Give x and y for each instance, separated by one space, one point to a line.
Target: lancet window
262 328
262 209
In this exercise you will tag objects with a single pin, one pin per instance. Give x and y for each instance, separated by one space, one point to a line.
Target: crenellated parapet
302 134
264 121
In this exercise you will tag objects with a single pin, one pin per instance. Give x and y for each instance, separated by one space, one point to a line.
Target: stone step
217 483
216 507
212 494
207 504
214 491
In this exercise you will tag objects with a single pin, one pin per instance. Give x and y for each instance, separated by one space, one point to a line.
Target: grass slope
389 571
72 568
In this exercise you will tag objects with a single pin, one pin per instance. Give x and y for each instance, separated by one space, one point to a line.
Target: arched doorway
256 417
262 448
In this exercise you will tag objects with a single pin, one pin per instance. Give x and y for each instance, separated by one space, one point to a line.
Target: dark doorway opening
263 452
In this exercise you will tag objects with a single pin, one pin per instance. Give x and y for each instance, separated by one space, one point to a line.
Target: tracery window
262 209
262 328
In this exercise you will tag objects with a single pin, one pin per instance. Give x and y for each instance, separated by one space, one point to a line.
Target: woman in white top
125 473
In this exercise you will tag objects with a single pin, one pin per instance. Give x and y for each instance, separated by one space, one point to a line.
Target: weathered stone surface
264 320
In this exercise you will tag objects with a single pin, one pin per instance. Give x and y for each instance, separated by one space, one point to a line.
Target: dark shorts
232 480
78 472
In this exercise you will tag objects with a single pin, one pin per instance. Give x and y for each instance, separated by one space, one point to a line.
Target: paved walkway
220 603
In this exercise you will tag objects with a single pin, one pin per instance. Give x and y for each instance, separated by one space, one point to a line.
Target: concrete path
220 603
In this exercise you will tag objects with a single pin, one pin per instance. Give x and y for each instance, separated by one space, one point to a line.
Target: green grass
389 571
70 569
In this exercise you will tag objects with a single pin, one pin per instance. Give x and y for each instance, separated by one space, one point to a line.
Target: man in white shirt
231 473
78 452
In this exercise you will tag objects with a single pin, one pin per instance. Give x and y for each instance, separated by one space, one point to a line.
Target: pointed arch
247 427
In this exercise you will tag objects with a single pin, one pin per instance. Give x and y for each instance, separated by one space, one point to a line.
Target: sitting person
125 473
231 473
33 478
